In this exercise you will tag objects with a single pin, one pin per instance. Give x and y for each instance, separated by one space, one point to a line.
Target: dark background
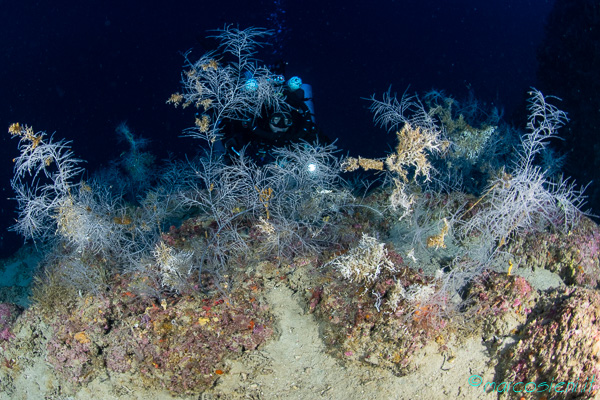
81 68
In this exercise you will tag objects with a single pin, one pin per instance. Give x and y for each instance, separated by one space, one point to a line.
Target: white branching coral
365 261
416 294
233 90
44 177
419 137
470 142
527 198
174 265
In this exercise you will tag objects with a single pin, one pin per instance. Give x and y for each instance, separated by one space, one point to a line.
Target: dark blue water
81 69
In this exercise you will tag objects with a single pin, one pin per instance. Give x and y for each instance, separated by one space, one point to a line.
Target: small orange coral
81 337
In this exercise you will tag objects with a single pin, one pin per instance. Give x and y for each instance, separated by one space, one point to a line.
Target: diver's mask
280 122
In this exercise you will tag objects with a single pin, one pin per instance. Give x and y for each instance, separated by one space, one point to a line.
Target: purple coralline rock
560 343
573 255
8 315
178 342
374 324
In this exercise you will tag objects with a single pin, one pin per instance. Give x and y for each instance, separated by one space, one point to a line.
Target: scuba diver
291 122
275 128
